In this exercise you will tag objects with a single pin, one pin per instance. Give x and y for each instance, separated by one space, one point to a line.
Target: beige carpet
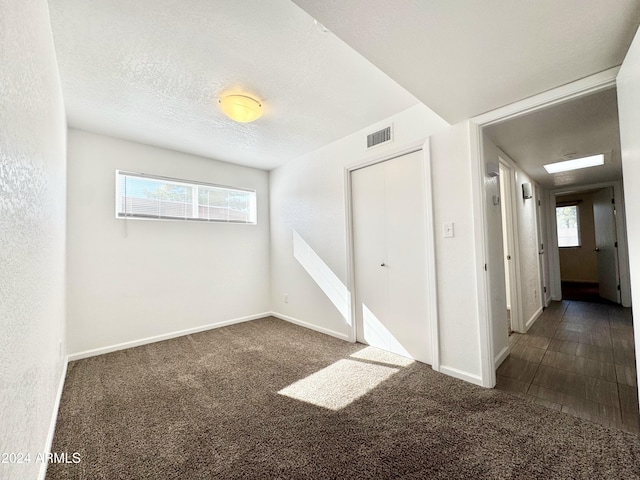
266 399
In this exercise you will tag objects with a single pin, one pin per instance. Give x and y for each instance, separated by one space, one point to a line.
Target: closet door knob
383 264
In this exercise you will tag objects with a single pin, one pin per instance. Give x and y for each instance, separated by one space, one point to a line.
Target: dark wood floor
583 292
578 358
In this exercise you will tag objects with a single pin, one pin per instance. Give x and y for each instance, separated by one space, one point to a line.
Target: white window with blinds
145 196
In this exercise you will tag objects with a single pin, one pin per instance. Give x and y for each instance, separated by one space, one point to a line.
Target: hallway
579 358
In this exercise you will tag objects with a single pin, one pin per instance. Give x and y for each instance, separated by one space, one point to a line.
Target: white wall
32 232
457 262
308 197
162 276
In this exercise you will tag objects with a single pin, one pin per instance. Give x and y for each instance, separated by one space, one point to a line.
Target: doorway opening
578 341
588 245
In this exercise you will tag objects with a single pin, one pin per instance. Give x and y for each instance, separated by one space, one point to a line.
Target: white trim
54 418
485 330
534 317
165 336
311 326
550 252
554 257
501 356
432 294
369 160
432 286
462 375
584 86
351 276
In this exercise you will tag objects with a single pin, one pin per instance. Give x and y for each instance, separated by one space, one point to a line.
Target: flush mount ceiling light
575 164
241 108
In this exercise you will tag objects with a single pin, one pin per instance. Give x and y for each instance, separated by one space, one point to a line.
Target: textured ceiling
465 57
582 127
152 70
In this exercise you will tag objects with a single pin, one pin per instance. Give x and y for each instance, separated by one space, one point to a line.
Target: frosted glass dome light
241 108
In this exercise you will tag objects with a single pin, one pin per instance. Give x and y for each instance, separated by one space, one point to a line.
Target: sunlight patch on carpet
374 354
339 384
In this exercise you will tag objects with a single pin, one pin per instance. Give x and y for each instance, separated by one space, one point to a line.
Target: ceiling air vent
381 136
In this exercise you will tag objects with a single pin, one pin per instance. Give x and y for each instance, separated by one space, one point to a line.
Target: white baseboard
500 357
54 417
311 326
164 336
533 318
462 375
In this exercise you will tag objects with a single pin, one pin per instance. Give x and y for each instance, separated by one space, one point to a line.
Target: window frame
253 206
577 207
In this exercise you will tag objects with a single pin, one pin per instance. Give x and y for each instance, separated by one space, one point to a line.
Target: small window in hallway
568 223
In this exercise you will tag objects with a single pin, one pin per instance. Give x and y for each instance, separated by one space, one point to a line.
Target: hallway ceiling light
575 164
241 108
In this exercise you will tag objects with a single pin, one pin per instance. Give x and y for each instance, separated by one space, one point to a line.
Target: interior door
604 216
509 227
542 252
389 234
370 248
628 82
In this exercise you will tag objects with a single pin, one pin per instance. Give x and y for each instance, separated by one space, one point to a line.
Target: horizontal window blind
147 196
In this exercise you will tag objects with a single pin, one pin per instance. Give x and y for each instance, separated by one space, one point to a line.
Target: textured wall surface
134 279
32 231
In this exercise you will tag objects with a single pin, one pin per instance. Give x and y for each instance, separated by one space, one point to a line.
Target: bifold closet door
389 233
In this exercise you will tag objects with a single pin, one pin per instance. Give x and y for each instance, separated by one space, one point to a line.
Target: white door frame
585 86
511 225
431 293
621 232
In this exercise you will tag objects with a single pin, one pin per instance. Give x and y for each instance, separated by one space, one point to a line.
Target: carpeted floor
207 406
